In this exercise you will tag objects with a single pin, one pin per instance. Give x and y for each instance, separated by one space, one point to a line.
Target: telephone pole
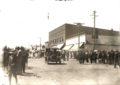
94 34
40 43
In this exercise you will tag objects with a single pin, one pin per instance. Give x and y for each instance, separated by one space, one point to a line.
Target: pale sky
23 21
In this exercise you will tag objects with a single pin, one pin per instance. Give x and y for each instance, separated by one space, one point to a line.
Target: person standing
2 73
67 55
12 67
116 59
24 59
19 60
91 56
27 55
103 56
86 56
64 55
112 57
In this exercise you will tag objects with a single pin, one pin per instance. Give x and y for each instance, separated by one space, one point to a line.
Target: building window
57 40
53 41
49 43
60 39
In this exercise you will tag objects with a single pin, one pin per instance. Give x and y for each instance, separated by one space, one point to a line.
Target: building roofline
57 27
93 27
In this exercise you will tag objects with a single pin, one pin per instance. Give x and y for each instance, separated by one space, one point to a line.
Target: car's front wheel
47 61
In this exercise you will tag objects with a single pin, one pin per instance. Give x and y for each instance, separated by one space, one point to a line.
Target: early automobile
53 55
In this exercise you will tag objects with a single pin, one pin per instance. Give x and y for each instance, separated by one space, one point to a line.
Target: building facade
69 34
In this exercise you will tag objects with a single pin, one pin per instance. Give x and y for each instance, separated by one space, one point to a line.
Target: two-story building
66 38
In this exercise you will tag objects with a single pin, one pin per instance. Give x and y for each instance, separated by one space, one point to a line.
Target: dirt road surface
68 73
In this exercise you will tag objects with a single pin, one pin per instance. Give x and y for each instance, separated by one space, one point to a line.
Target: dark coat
116 56
12 65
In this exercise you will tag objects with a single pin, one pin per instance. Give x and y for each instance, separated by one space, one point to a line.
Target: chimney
111 29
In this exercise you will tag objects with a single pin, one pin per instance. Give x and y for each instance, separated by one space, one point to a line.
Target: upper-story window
57 40
49 42
60 39
53 41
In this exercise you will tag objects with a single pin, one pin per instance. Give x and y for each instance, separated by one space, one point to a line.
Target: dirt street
68 73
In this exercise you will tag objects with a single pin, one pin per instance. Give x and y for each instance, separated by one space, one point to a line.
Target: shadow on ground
28 74
57 64
31 75
29 68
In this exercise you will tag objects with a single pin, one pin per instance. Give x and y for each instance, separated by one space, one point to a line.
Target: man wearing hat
12 67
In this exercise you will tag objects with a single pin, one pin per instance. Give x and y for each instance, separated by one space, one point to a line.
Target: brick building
66 38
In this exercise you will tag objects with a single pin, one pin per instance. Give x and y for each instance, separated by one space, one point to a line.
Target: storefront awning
67 47
75 47
81 45
60 46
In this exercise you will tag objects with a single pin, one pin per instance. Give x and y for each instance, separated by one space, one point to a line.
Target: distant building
35 47
66 37
46 44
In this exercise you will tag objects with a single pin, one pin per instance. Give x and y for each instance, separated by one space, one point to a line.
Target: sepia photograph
59 42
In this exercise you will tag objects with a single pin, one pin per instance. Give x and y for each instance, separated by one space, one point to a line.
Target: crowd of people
109 57
14 62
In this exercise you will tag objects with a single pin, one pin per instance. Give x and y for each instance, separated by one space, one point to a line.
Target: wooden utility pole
40 47
94 32
40 43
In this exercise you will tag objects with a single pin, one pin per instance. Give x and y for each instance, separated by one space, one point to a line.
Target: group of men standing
14 61
109 57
